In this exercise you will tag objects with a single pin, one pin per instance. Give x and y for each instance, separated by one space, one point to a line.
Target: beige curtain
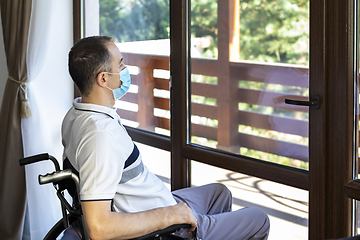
15 17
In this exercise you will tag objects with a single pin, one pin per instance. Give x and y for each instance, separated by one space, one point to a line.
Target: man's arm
101 223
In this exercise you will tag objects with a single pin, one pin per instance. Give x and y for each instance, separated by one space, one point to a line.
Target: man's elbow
100 231
96 231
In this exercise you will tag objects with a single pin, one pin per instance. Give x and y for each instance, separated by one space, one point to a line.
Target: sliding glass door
261 88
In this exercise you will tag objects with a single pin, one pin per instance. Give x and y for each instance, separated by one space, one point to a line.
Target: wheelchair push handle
39 158
59 176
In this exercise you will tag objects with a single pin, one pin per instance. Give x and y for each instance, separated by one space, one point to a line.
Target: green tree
274 31
135 20
204 23
270 30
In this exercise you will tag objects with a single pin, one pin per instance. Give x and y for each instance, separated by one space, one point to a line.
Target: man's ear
101 79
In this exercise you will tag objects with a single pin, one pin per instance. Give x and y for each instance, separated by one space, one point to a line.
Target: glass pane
287 207
159 165
245 63
141 29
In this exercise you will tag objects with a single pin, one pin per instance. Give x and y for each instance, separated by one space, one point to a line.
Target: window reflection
239 83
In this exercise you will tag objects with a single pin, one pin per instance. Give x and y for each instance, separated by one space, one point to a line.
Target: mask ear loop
109 88
121 82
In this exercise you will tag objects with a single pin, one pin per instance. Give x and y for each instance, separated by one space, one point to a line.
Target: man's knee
259 214
221 188
262 221
260 218
224 195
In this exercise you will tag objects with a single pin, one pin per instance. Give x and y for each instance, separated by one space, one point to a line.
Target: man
120 198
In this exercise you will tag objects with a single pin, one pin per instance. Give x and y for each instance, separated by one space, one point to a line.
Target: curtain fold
15 18
42 204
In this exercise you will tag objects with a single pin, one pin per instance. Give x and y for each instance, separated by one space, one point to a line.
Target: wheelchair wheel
58 228
55 231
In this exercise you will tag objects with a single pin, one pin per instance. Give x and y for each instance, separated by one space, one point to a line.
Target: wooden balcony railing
231 139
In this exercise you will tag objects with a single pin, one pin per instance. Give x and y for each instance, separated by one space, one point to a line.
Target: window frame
332 78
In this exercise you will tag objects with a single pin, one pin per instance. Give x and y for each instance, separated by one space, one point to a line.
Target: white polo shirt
108 162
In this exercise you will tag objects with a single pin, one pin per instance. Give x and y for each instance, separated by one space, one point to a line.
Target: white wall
3 68
50 95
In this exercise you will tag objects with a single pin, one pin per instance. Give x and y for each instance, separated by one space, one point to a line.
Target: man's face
116 66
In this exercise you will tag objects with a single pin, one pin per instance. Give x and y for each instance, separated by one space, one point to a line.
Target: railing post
146 104
227 87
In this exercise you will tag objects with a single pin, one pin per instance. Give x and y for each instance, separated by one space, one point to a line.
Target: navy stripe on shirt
131 159
133 156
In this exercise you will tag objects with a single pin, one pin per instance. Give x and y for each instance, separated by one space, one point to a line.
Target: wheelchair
68 180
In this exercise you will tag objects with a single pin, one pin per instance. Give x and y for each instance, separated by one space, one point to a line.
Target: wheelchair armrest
165 231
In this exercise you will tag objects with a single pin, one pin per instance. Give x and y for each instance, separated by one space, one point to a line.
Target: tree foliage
134 20
204 23
274 30
270 30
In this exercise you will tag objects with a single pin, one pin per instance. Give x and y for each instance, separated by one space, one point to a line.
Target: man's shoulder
94 121
79 121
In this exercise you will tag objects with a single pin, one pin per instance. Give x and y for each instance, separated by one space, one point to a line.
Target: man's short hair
87 58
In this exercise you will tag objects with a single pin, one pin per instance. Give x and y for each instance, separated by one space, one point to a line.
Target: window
262 138
245 62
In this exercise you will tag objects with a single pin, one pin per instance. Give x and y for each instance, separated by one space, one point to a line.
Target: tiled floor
287 207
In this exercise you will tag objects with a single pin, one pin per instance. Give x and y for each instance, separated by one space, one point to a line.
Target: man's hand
101 223
183 214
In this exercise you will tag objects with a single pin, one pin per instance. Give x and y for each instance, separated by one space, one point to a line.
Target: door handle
313 103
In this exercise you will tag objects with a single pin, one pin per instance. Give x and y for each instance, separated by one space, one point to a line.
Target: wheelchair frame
67 180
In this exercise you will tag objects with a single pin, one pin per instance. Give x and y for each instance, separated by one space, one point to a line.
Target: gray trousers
211 205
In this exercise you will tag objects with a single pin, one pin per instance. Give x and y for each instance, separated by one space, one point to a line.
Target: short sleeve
101 165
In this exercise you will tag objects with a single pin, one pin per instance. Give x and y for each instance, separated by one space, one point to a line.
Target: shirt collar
111 112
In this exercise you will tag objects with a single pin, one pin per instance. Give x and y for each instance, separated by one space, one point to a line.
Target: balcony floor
286 206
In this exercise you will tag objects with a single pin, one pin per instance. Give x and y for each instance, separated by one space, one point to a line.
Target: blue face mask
126 80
